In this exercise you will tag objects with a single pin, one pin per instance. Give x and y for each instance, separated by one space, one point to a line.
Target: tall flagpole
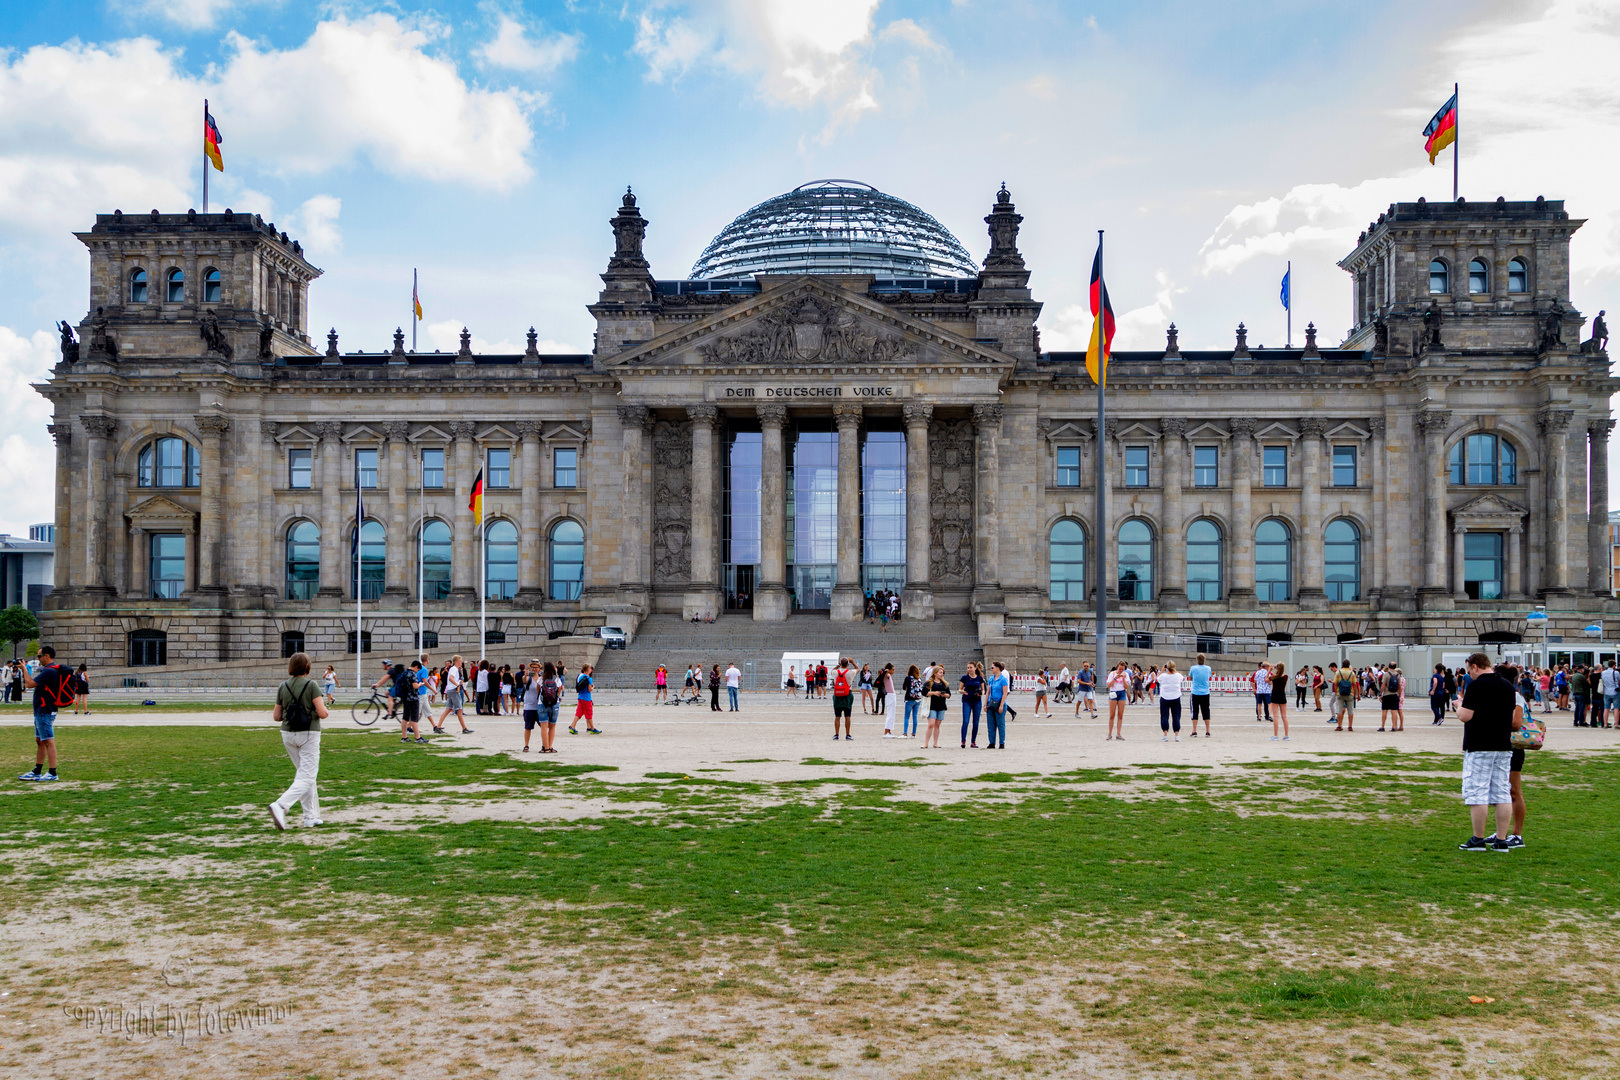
483 585
1290 308
1456 137
205 155
414 302
421 528
1100 531
359 587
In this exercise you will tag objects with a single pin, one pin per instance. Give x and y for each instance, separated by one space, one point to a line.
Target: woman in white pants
887 677
300 708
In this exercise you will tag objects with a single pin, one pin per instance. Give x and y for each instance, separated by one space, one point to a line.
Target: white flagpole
483 585
359 587
205 156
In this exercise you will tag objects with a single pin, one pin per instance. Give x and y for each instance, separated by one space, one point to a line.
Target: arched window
1135 561
373 556
1273 561
1518 276
1439 276
148 648
303 560
168 462
1479 278
137 286
1203 561
1341 559
211 291
1484 459
567 560
500 560
435 560
176 279
1066 553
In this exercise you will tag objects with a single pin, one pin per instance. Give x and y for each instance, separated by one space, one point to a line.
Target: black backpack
296 715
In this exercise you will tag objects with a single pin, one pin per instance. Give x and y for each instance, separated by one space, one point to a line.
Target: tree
17 624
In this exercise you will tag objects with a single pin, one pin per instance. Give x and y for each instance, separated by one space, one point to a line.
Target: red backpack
841 683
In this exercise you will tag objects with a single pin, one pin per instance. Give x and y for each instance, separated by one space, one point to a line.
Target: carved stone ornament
1555 421
70 345
806 330
1243 426
1377 426
1172 344
330 432
987 415
269 429
1004 220
332 342
1044 427
635 416
213 424
847 416
1173 426
1599 430
950 500
1313 427
397 431
1434 422
62 433
213 337
917 412
99 427
771 415
528 429
463 429
708 415
672 502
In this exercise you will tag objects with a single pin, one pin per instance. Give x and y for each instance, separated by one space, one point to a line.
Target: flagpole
414 302
205 155
421 527
1101 443
1456 137
1290 308
483 585
359 590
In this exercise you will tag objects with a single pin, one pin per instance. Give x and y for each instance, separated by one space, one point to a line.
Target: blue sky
487 145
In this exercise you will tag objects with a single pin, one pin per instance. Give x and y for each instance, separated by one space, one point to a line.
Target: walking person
1437 694
455 696
1119 685
998 688
1489 715
1389 699
1043 680
971 686
1345 687
584 699
1260 679
299 710
1279 701
51 684
843 679
939 696
733 684
406 689
913 694
1198 677
329 685
1085 693
886 696
877 693
1169 682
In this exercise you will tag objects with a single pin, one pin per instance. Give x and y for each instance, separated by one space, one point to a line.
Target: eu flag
1284 295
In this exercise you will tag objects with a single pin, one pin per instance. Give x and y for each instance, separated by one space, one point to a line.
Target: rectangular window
500 468
1482 565
1344 466
1068 466
365 464
1274 462
433 468
565 467
1136 466
1206 466
168 565
299 468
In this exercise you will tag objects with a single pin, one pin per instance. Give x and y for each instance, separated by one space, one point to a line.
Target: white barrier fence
1218 684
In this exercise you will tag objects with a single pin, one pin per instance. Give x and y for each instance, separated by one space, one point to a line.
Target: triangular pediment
295 433
564 433
497 433
809 322
431 433
160 510
363 433
1136 430
1276 430
1076 430
1349 430
1490 510
1206 430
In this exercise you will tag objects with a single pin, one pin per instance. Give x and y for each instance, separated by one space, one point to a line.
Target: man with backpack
406 689
1346 687
300 708
584 705
53 687
843 679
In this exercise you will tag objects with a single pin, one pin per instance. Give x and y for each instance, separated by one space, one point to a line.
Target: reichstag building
837 398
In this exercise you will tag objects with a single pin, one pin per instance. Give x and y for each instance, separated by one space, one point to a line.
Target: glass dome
835 227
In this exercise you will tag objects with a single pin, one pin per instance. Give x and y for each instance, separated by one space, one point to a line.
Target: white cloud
908 31
1139 328
1041 87
316 222
511 47
26 450
188 14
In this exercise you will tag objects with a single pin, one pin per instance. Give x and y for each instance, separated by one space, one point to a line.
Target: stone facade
199 430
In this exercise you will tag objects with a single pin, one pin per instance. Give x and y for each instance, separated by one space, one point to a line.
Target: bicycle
368 710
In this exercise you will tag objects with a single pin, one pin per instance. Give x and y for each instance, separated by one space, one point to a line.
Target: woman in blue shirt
1000 686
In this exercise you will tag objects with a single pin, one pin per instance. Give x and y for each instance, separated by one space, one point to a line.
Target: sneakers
1515 841
308 824
572 730
1501 845
1164 738
278 817
48 777
1272 739
1178 738
31 775
1475 843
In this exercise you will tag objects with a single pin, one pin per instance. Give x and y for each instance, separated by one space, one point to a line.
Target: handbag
1531 734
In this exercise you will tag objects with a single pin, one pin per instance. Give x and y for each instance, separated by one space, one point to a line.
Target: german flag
1442 130
1102 324
476 503
211 139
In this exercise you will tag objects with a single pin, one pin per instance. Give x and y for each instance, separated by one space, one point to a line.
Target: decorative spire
331 342
399 341
1004 220
1310 342
533 346
466 342
1171 346
1242 341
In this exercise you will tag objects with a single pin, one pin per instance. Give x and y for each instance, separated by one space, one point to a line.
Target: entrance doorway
739 587
812 587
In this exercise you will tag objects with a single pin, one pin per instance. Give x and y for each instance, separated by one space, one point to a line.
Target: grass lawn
1293 918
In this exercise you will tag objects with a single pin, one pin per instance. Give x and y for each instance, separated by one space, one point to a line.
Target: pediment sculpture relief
807 330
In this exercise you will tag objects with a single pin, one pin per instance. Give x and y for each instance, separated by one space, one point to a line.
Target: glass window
1274 466
303 560
435 553
211 291
742 481
1479 279
433 468
292 641
1344 466
1206 466
567 560
137 286
1481 453
1439 276
1509 458
168 565
1067 558
193 466
1518 276
1068 466
500 468
1273 558
1204 561
176 279
813 517
148 648
143 467
1341 558
365 467
883 510
1213 644
1135 561
168 462
1482 565
1136 466
300 468
373 556
365 641
500 560
565 467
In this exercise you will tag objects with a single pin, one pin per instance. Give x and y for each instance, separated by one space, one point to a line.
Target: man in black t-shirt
50 686
1489 714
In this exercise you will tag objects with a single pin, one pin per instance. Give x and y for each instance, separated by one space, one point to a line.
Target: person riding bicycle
388 681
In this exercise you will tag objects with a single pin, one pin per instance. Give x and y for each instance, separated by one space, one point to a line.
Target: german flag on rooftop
1442 130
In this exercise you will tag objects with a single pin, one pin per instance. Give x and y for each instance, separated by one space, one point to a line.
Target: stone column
62 574
1515 562
1459 586
1107 533
1378 567
634 421
1312 594
211 519
334 550
917 599
1240 544
1555 442
1173 592
530 594
771 592
703 586
140 564
987 597
399 564
1432 425
464 562
97 492
1597 520
848 599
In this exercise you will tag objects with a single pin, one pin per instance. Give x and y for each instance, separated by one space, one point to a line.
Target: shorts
1611 701
44 725
413 710
1118 695
1345 704
1485 777
843 705
1517 764
455 699
530 718
1279 697
585 710
688 682
1389 702
1087 695
936 716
